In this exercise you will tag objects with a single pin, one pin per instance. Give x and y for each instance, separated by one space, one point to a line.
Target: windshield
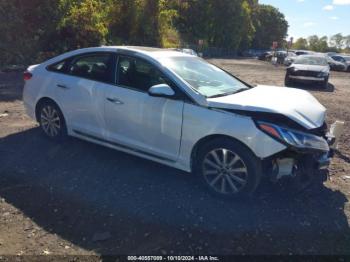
311 60
205 78
347 58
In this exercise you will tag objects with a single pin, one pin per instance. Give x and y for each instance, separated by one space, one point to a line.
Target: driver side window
138 74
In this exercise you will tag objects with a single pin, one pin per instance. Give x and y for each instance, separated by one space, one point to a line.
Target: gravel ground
78 198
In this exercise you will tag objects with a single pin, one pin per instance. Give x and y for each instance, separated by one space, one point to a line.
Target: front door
135 119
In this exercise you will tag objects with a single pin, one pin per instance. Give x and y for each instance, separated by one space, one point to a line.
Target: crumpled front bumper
307 78
324 161
333 136
306 163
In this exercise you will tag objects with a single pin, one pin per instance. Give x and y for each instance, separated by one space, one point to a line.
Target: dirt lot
80 198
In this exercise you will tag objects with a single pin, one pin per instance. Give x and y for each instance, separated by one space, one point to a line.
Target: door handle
114 100
62 86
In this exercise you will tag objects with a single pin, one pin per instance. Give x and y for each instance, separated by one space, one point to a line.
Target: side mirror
161 90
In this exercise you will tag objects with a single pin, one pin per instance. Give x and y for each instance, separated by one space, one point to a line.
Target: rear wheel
228 169
51 121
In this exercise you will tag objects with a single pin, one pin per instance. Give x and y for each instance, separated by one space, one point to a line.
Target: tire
325 83
238 178
287 81
52 122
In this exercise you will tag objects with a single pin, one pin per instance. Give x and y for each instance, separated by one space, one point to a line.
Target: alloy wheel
224 171
50 121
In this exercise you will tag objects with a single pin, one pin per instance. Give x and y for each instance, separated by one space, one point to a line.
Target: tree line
32 30
336 43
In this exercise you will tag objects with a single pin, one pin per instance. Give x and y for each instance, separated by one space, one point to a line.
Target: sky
314 17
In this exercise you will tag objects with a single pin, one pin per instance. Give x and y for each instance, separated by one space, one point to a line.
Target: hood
296 104
316 68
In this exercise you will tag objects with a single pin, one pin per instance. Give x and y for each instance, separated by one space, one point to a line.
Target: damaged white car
308 69
180 111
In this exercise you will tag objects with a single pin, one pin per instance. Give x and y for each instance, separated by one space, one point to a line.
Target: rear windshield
311 60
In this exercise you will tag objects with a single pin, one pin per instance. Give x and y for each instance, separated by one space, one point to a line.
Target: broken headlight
294 138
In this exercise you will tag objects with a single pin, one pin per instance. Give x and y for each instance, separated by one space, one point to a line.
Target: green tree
337 41
122 21
323 44
32 30
225 30
26 28
225 24
270 25
347 41
193 21
168 33
146 30
142 22
301 44
247 29
318 44
313 42
83 25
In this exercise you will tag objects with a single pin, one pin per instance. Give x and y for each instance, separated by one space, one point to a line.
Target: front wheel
228 168
287 81
325 83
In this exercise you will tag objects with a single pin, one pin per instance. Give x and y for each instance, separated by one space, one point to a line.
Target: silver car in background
308 68
345 60
291 56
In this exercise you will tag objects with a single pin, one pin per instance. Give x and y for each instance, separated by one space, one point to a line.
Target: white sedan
180 111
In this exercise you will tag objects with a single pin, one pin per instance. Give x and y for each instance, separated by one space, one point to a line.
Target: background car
187 51
303 52
335 65
347 59
289 58
308 68
341 59
266 56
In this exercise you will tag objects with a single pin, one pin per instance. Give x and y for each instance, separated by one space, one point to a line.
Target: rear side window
58 67
95 67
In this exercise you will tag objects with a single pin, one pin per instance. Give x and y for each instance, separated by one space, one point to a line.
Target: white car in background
308 69
179 110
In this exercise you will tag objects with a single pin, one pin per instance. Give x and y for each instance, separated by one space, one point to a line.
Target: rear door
135 119
81 91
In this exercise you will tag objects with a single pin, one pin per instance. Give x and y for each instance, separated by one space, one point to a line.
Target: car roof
153 52
313 55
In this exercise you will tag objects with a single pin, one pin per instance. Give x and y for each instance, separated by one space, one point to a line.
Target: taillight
27 75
